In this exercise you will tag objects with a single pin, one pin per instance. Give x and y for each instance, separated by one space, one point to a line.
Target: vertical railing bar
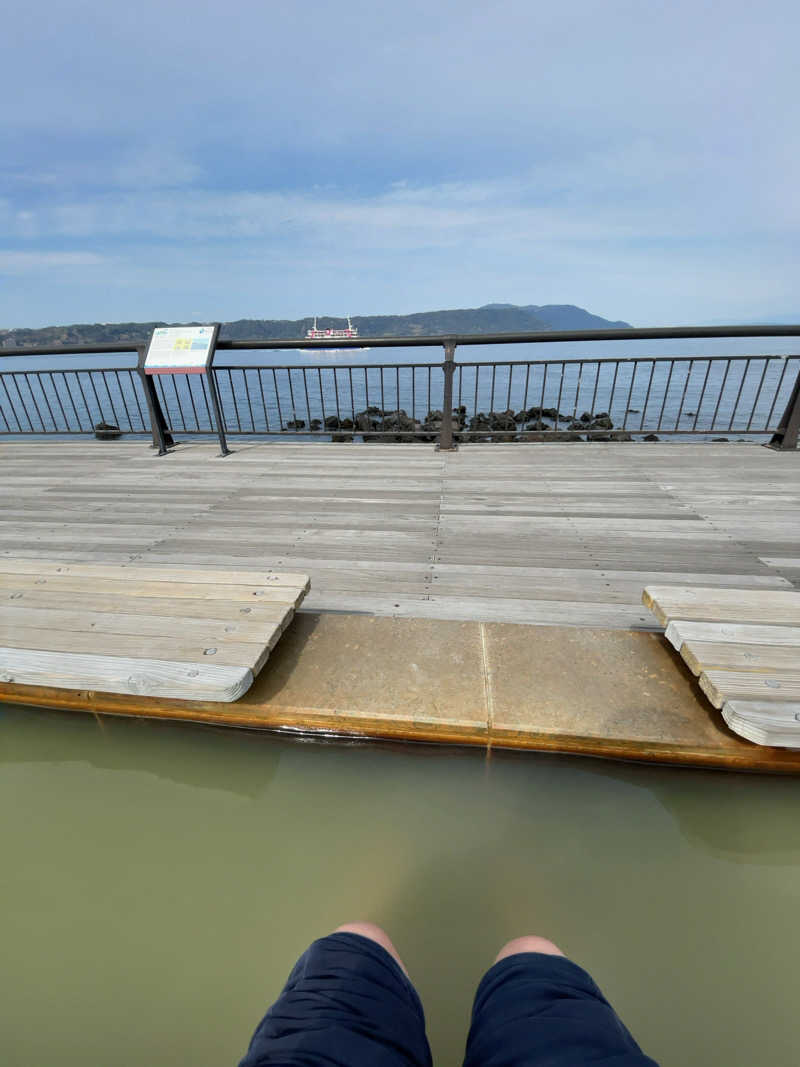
72 402
683 394
758 393
178 404
778 390
133 383
277 398
189 379
124 401
117 419
162 400
58 401
31 429
96 397
613 390
367 416
12 406
305 390
383 404
525 397
249 401
544 383
207 399
414 393
494 375
634 368
460 383
321 397
721 392
397 386
11 409
233 397
259 371
429 388
647 394
578 391
83 397
352 395
739 394
336 395
36 406
702 393
596 386
291 398
666 392
510 379
560 390
25 376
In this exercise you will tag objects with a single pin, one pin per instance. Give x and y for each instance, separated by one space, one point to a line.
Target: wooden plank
680 631
283 594
700 656
207 631
720 686
251 655
48 597
137 572
116 674
775 724
779 712
778 607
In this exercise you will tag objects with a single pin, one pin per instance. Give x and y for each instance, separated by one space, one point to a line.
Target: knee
530 943
374 933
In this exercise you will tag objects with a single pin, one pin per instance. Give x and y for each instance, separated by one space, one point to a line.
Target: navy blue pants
348 1004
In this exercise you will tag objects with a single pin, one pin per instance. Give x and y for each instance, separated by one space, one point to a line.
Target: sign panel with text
181 349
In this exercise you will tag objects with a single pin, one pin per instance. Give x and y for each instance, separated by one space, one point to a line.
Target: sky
180 161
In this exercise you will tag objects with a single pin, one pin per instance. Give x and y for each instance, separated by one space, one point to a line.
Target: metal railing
607 398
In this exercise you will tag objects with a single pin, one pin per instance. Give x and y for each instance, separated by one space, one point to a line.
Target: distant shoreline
492 318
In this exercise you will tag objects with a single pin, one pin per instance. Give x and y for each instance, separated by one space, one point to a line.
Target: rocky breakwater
532 424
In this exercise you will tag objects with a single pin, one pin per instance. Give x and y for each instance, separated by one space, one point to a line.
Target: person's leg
534 1007
348 1002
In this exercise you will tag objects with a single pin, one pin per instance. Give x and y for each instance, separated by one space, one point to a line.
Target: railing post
212 388
785 437
162 438
446 442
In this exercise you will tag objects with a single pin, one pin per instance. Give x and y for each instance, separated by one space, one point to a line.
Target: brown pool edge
614 694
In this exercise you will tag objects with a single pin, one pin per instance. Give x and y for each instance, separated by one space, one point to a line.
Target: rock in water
105 431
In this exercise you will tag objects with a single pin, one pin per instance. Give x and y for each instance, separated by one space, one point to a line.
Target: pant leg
536 1010
346 1003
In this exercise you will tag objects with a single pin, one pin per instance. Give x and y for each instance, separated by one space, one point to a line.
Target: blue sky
180 160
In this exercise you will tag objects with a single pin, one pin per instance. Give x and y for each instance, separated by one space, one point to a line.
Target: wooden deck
162 630
548 534
436 554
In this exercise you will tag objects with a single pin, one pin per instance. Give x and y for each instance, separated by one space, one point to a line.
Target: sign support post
212 388
181 350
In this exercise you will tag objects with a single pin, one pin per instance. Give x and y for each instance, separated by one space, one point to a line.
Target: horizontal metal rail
603 398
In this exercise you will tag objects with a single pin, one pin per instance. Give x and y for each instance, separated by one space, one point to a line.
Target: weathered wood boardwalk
435 554
162 631
550 534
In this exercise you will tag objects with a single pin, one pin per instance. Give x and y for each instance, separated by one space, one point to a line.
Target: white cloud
16 262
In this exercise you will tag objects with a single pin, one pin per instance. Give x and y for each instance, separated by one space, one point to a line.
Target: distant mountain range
491 318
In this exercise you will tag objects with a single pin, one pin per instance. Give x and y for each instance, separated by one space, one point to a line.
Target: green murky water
158 881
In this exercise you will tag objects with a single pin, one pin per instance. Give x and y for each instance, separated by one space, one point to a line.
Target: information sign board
181 349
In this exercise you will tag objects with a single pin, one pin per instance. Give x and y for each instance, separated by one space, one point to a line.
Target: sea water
159 880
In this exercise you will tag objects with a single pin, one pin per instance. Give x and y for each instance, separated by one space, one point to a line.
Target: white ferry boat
349 333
